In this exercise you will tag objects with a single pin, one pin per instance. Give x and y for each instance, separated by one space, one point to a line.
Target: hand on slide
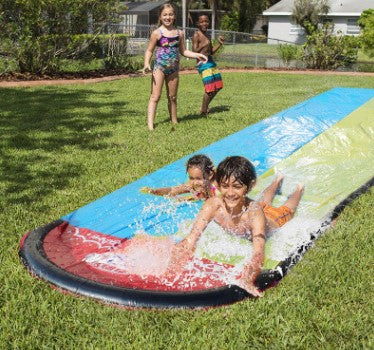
181 254
250 288
146 190
247 280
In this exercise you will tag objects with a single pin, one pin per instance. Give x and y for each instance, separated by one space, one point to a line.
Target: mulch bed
28 79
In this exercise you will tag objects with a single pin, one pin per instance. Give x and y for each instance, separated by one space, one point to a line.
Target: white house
343 14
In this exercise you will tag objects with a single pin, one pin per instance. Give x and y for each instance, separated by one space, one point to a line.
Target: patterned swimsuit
167 54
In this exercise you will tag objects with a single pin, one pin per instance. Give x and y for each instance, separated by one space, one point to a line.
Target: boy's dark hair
203 162
202 15
238 167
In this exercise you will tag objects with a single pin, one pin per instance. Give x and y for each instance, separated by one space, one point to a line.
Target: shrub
325 50
37 34
90 46
288 52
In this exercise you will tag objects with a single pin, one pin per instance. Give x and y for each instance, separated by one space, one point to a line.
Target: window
352 26
296 29
327 20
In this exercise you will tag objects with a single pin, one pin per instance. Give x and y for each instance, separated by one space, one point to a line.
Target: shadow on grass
40 129
213 110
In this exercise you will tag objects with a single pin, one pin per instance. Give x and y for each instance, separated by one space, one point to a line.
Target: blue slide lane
126 210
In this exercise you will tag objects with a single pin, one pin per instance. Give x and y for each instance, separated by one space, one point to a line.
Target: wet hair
202 162
238 167
202 15
162 8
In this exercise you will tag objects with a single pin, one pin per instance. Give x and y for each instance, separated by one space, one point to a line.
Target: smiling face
233 193
203 23
167 16
196 177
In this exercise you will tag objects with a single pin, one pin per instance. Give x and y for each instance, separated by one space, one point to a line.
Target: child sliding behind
238 215
200 184
170 42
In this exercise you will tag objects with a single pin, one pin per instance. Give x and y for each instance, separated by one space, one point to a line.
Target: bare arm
167 191
253 269
184 250
205 215
188 53
221 40
149 52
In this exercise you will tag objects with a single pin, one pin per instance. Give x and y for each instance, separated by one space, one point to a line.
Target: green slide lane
331 166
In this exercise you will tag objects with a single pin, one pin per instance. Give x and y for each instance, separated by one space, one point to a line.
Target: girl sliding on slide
201 183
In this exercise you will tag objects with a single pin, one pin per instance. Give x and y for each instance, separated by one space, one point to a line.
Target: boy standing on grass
208 71
237 214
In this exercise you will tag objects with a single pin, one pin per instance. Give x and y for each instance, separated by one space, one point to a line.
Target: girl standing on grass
169 42
208 71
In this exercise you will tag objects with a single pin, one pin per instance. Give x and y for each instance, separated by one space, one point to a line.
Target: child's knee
155 97
172 98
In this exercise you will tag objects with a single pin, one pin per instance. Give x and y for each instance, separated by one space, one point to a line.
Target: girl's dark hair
238 167
162 8
203 162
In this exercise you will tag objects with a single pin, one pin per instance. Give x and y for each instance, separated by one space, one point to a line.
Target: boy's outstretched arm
183 251
253 269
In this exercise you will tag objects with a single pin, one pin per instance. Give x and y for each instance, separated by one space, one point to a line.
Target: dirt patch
28 80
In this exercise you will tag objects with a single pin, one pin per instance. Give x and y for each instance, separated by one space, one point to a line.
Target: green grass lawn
62 147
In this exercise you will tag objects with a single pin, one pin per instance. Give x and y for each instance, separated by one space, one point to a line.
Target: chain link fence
123 46
240 49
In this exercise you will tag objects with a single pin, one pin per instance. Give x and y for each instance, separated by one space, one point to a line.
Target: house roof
337 7
141 7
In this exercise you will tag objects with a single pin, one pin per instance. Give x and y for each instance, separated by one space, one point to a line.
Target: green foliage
326 50
288 52
366 22
241 15
90 46
308 13
230 21
36 33
248 11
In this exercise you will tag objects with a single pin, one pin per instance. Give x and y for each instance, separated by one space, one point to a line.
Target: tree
309 13
242 14
366 22
37 33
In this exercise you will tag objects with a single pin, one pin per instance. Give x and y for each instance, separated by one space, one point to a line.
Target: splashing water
219 258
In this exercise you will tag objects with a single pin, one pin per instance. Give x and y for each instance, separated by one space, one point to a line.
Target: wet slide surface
103 250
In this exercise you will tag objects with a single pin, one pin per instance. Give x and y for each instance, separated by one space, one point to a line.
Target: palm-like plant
308 13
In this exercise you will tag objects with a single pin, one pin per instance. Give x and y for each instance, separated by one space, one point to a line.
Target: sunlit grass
63 147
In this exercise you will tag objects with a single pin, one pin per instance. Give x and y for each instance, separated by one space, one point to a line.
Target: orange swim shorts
278 215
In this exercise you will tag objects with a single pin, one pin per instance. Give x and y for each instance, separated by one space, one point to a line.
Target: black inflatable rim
33 257
35 260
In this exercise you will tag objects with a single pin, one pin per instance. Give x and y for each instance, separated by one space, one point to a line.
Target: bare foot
300 187
279 177
278 180
205 113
